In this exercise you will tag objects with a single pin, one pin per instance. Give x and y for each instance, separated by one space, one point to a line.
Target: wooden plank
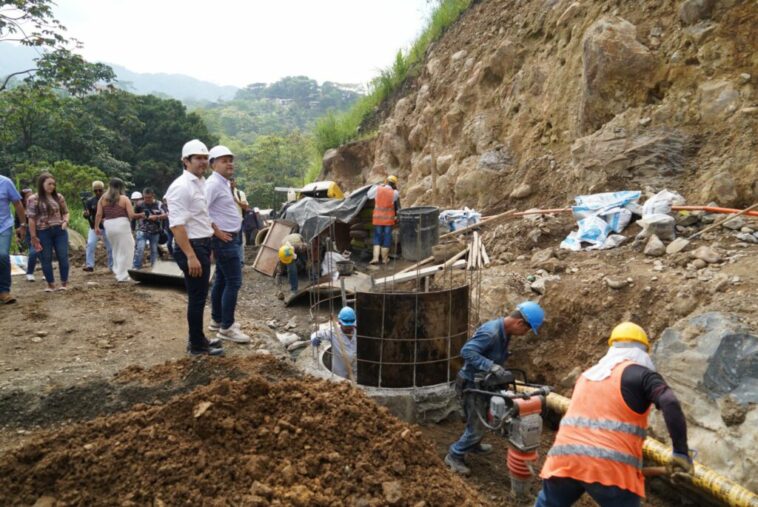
407 277
485 257
326 287
455 257
487 221
417 265
268 253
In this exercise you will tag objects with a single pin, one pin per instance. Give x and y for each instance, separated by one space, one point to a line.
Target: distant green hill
176 86
290 104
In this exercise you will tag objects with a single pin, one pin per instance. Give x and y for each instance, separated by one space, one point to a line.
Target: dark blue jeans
227 280
31 262
54 238
292 276
383 235
474 430
197 289
5 259
563 492
139 249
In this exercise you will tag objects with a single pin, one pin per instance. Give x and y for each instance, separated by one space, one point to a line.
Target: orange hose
709 209
713 209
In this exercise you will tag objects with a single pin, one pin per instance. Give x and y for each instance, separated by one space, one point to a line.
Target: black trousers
197 289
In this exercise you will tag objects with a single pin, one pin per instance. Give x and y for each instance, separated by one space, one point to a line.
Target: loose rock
707 254
616 284
734 224
393 492
732 413
654 247
677 246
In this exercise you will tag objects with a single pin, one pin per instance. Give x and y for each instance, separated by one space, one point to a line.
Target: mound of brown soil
255 441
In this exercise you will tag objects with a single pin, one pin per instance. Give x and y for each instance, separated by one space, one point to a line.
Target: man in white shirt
192 229
227 238
243 206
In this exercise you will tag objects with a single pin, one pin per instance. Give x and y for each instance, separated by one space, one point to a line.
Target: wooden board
356 282
406 277
268 253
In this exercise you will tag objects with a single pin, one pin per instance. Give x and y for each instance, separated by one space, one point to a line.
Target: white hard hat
136 195
194 147
219 151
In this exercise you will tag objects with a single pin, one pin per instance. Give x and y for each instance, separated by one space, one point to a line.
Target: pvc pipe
709 209
703 479
714 209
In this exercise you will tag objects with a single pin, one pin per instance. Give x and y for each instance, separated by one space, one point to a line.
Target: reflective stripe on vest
604 424
595 452
384 206
600 438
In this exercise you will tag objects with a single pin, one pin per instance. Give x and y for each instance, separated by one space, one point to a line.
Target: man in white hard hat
225 243
192 229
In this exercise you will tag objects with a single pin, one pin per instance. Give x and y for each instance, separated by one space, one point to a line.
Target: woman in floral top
48 223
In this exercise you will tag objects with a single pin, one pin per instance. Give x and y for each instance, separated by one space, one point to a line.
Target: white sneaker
233 334
30 278
214 326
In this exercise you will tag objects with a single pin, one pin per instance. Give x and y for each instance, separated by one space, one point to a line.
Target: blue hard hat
346 317
533 313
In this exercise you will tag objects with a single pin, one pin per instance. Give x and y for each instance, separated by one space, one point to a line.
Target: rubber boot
386 255
377 250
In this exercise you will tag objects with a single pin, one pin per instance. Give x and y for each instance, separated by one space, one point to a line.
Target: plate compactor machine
516 415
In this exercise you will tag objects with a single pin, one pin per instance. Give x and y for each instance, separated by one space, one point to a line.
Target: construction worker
192 229
343 342
225 243
484 352
287 257
598 448
293 259
386 205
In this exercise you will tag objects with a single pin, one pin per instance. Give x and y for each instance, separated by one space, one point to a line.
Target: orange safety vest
600 438
384 206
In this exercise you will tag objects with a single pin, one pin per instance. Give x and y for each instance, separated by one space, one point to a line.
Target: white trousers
119 233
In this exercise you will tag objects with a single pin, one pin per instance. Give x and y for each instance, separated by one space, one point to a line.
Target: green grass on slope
334 130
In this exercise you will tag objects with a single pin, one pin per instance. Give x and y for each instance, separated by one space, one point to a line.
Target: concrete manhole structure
408 350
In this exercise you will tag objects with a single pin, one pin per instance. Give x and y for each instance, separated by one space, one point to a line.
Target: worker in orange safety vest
386 205
598 448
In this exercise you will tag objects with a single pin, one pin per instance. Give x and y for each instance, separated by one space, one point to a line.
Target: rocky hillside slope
526 103
529 103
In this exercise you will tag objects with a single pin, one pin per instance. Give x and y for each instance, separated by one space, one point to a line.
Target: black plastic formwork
411 339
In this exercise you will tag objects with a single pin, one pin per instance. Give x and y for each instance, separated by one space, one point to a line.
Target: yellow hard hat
287 254
629 332
392 179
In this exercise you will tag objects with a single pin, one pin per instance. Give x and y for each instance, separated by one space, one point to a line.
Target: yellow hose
703 479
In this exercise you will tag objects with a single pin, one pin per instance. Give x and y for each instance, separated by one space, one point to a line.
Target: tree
32 23
137 138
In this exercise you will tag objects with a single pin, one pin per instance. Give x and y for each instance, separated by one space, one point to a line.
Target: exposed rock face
350 164
618 71
711 362
531 103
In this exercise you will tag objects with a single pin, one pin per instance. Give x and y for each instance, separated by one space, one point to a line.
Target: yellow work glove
680 464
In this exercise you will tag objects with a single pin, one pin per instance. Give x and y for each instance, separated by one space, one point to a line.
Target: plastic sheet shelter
315 215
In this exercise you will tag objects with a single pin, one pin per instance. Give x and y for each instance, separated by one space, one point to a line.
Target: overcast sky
237 42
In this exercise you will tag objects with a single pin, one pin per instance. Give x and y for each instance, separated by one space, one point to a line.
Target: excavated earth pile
273 437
